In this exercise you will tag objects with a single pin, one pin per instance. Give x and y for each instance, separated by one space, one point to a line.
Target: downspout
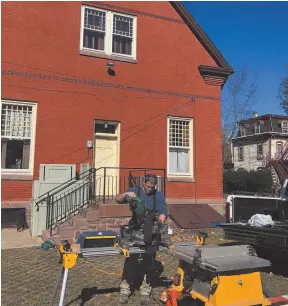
194 149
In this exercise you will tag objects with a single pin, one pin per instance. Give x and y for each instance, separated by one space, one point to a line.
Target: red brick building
144 70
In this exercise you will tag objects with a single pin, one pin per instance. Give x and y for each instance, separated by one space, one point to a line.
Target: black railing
95 185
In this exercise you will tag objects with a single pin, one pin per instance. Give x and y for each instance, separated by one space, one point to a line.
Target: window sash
179 146
115 40
259 151
240 154
26 128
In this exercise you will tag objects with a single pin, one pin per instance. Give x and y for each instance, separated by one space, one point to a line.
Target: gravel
29 275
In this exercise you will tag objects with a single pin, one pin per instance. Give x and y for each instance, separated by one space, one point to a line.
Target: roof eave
201 36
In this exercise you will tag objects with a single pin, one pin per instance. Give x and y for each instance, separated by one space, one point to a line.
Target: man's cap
152 178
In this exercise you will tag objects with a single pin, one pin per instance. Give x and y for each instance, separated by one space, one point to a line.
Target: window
179 146
257 128
242 130
17 136
284 127
240 153
105 128
259 151
108 32
279 148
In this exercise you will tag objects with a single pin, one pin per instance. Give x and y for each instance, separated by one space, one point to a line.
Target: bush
242 180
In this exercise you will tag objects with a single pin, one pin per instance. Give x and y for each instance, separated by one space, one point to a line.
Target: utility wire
77 150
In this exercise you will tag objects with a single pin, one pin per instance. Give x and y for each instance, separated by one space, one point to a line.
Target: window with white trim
108 32
17 132
179 146
284 127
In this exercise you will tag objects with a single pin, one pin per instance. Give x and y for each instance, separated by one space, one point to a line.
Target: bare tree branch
241 98
283 94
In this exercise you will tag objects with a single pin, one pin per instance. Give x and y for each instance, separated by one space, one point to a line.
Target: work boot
144 299
123 298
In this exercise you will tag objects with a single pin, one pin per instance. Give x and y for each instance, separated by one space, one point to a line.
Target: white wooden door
106 155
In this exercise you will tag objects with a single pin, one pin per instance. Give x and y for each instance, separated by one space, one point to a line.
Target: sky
253 35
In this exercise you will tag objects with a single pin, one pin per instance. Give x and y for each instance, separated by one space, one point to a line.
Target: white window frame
30 170
191 141
108 40
284 128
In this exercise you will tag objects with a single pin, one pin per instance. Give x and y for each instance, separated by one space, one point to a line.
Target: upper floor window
284 127
17 136
179 146
242 130
108 32
257 128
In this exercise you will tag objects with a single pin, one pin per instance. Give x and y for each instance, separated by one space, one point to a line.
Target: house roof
202 37
265 117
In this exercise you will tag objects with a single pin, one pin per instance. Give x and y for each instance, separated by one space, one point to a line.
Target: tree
283 94
240 97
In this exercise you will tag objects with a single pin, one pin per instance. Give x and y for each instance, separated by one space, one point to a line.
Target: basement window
17 137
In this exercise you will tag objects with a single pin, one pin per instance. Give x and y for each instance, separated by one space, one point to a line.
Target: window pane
93 40
179 133
100 128
94 20
122 45
179 160
17 154
123 25
16 121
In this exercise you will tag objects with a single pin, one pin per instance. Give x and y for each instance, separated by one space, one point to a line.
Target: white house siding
250 161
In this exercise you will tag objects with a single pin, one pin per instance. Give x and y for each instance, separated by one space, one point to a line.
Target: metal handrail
61 207
71 181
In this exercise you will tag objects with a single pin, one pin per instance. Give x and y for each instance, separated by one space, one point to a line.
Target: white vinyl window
179 146
17 136
108 32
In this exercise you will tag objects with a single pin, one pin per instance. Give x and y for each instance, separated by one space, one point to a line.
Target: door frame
117 124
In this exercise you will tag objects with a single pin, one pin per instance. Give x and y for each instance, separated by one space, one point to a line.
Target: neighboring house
112 84
259 139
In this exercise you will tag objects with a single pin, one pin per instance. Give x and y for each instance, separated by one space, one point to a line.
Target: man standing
142 266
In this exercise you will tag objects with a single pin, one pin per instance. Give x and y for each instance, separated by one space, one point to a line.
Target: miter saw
144 229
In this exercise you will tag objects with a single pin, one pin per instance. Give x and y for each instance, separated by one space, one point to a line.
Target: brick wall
168 56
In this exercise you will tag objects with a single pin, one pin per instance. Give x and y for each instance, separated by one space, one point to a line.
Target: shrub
242 180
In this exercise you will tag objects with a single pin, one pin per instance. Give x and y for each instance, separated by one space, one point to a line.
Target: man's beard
149 191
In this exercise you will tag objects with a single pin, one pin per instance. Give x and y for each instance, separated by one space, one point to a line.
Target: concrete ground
11 239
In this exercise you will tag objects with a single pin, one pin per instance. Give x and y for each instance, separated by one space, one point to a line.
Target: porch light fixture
110 69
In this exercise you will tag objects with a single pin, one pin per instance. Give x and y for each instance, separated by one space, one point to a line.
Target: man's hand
162 218
130 194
